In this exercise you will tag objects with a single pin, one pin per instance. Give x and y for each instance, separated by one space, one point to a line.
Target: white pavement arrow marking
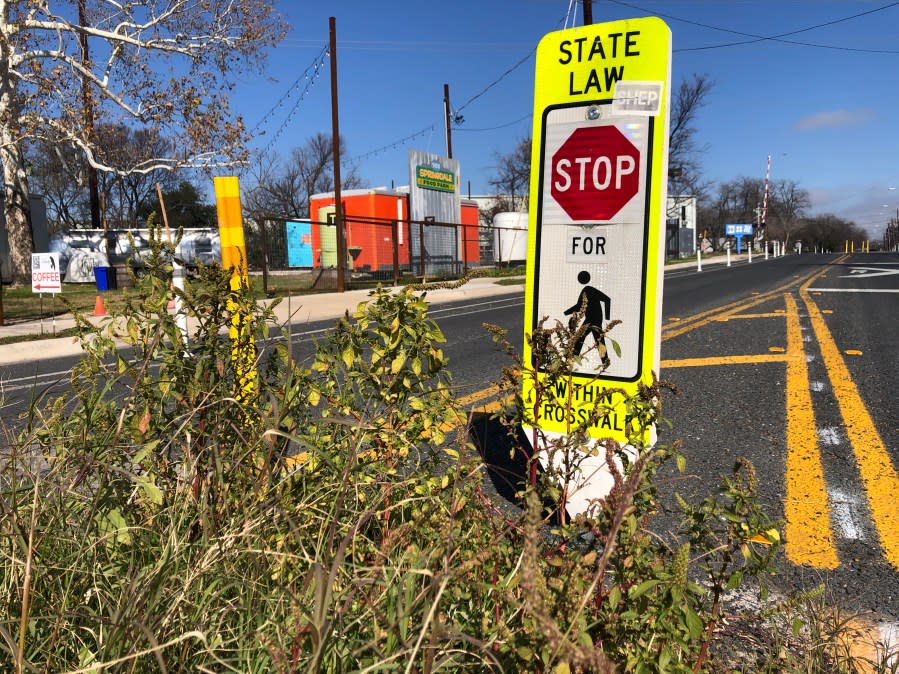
869 272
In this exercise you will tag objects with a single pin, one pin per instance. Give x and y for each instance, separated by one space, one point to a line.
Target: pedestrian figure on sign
597 309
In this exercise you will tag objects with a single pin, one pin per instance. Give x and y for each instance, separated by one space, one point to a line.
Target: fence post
456 250
394 228
421 250
263 240
464 249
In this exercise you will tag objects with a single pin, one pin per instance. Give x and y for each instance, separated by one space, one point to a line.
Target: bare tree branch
164 64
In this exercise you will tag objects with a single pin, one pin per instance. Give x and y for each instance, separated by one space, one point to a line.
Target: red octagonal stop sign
595 173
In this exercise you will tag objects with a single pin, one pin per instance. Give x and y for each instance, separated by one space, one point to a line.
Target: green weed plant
161 516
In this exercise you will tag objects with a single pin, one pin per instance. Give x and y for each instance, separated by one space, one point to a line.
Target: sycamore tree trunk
16 208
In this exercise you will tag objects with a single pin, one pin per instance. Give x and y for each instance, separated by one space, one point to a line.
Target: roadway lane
475 362
799 379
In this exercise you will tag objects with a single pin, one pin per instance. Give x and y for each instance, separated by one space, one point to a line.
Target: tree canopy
282 187
162 67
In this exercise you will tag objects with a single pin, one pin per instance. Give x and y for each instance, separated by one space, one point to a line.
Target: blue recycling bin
105 277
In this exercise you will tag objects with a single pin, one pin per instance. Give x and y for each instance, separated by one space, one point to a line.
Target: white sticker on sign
637 98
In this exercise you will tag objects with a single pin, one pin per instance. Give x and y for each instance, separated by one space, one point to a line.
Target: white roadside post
699 258
178 272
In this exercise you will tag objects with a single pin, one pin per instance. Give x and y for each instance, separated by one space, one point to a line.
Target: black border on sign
535 318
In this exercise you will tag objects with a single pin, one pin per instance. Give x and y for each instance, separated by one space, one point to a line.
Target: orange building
369 214
470 246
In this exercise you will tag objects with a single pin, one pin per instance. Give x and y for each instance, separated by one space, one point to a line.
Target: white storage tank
510 238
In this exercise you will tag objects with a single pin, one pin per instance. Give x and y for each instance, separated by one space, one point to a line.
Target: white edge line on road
853 290
501 300
18 383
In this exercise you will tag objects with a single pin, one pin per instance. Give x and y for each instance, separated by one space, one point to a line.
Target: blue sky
826 110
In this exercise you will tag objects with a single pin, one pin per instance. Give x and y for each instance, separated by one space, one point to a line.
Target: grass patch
20 304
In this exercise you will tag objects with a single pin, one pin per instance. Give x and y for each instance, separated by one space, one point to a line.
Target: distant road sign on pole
45 277
738 231
597 194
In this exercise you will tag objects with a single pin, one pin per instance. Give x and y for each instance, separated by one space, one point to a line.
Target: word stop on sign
603 171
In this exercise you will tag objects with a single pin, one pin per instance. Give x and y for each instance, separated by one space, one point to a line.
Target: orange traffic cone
99 309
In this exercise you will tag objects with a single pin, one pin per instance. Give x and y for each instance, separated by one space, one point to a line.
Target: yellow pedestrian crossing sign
596 218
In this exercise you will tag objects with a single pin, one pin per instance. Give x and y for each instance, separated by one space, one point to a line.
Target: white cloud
835 118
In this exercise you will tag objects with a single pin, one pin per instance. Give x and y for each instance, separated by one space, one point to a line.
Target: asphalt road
788 362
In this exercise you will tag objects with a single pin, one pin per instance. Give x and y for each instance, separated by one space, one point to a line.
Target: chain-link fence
302 254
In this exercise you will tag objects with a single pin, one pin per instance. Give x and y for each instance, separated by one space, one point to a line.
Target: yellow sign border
582 66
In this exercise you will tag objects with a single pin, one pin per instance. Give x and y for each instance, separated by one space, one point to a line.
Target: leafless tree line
736 201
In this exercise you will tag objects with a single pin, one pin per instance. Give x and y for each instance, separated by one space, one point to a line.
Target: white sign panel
593 230
45 276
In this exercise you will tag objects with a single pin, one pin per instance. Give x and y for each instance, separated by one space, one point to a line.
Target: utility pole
335 140
763 219
588 12
448 120
88 113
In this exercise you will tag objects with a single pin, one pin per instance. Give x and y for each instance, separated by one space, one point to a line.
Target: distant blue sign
299 243
738 230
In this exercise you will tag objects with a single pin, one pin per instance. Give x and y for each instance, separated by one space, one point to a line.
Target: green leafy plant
185 508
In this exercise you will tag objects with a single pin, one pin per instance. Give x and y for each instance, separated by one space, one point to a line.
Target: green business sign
430 178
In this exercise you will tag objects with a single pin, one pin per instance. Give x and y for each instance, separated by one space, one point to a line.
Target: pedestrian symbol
596 306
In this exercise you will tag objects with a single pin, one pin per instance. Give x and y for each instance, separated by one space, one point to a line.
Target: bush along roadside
168 514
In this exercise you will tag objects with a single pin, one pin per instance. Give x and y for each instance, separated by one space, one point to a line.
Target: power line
499 79
315 66
410 45
772 38
505 74
394 144
456 113
501 126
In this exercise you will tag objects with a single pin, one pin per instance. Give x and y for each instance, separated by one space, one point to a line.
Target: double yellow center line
876 469
808 534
